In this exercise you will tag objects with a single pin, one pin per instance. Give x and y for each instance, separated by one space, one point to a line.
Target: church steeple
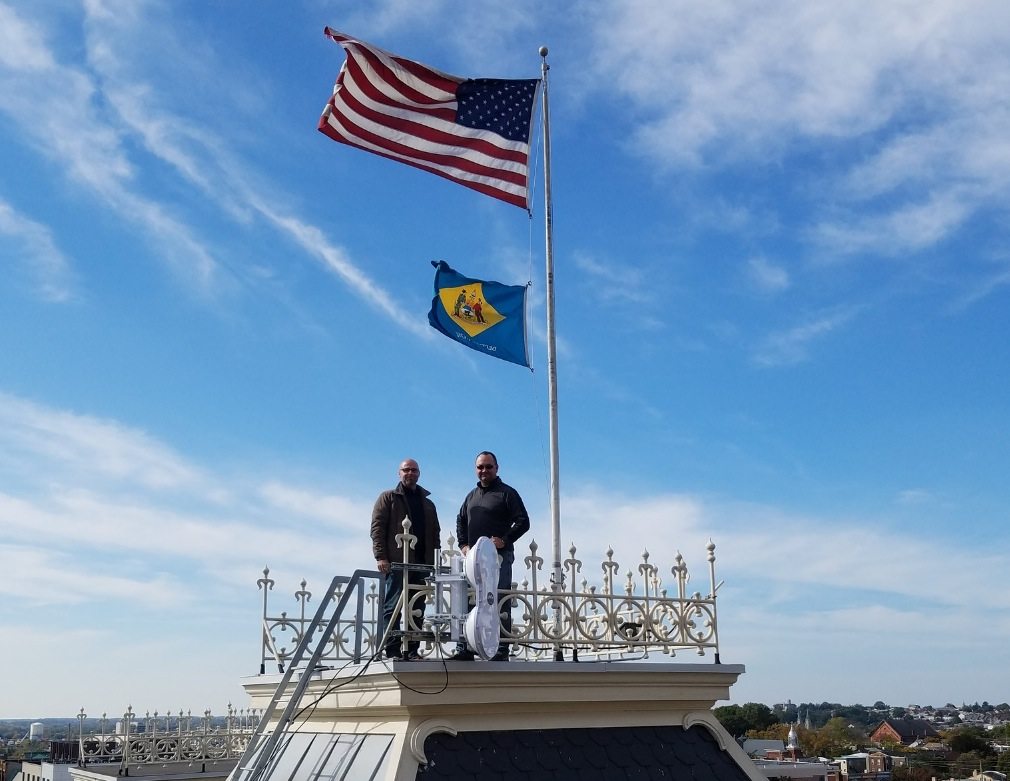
792 745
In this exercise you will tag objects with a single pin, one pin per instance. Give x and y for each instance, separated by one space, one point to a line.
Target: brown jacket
387 521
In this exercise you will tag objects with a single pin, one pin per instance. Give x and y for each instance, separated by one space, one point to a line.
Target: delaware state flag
486 316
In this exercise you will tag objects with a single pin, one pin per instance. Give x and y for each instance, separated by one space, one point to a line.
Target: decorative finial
543 51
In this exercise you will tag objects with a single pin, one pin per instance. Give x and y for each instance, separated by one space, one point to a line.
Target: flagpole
552 367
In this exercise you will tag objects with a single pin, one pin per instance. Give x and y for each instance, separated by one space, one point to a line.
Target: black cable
331 687
335 684
445 671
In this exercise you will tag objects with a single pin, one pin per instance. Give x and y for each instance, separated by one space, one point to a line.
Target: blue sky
782 308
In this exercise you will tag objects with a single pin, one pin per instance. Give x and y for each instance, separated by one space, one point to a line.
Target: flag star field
498 105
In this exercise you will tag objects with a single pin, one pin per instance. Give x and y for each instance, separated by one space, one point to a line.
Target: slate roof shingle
611 753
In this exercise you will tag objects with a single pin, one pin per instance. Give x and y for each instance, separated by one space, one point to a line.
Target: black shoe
413 656
462 655
393 656
501 656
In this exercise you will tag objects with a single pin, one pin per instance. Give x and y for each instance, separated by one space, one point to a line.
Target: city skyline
781 709
782 307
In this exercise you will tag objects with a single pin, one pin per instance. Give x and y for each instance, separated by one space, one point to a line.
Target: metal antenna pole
552 365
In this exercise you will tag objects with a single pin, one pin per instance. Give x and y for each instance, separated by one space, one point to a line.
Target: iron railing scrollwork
617 616
158 739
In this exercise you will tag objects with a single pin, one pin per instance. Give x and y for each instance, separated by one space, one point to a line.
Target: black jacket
495 511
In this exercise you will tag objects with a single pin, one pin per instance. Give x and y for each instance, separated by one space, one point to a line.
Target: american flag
473 131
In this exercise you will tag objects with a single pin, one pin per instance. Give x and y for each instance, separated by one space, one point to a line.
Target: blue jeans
393 586
508 557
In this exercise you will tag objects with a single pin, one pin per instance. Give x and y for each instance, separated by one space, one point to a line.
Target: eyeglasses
482 467
410 469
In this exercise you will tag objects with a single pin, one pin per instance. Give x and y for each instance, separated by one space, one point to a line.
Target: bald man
407 500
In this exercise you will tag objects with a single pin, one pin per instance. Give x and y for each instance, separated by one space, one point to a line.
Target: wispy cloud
41 95
912 227
612 282
914 496
480 45
766 548
103 490
733 90
204 160
916 87
32 246
87 447
315 243
340 511
791 346
117 105
209 528
979 289
203 544
34 576
767 277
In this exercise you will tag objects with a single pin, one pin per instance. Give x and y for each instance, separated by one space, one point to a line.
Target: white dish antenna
483 626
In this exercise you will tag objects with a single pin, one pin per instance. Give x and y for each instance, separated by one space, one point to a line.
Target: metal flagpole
552 367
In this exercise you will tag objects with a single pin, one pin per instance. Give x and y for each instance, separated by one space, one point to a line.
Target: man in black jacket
407 500
492 509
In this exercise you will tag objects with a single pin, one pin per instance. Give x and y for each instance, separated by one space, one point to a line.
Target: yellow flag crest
468 308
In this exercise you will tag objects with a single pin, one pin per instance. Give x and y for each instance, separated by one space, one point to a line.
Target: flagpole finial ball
543 51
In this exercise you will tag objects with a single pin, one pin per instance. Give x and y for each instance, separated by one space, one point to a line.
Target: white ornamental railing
158 739
644 611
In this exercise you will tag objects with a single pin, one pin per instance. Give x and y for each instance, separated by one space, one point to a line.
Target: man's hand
383 566
499 543
463 549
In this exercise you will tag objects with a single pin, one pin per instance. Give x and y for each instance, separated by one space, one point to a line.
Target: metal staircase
262 752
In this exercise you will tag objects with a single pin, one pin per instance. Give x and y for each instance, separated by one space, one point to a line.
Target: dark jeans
504 584
394 585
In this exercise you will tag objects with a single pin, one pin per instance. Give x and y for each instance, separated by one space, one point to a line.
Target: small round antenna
543 51
483 627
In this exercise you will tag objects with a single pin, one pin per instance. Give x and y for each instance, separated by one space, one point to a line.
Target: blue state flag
485 316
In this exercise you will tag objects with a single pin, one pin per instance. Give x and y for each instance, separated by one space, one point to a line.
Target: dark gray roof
603 754
910 729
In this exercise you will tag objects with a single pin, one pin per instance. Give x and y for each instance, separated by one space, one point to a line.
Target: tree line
836 730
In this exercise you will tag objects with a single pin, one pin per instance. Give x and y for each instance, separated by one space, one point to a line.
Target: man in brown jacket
407 500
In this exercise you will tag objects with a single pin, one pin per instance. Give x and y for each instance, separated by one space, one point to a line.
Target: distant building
212 770
43 771
903 731
777 759
758 749
868 766
800 770
787 752
64 751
